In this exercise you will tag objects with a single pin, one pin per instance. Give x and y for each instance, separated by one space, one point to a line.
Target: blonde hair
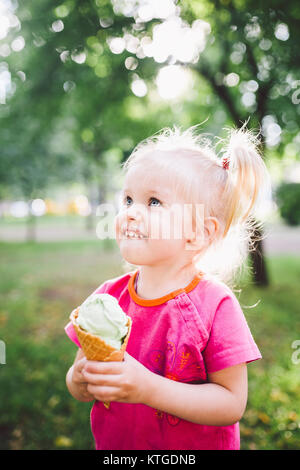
238 187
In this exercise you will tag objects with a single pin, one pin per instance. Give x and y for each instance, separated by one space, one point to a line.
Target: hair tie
225 163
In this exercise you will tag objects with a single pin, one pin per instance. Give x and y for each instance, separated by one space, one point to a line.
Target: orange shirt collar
160 300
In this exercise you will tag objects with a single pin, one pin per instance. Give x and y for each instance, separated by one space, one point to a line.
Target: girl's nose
135 212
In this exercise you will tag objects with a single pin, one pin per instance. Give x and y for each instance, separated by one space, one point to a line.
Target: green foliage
272 419
288 200
40 285
243 42
68 112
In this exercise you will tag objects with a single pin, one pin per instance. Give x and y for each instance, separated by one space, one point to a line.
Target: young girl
183 381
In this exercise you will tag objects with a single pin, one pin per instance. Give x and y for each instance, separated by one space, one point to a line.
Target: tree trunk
89 222
90 219
258 260
31 228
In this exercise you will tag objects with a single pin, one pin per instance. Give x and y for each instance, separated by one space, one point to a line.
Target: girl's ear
207 234
211 229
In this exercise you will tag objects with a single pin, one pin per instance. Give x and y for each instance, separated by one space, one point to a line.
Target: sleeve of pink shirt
230 341
69 328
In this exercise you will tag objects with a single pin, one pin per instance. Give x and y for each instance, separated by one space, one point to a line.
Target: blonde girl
183 383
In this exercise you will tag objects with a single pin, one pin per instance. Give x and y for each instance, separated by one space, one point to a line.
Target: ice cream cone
95 348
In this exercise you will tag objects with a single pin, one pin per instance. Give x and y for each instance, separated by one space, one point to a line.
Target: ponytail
247 177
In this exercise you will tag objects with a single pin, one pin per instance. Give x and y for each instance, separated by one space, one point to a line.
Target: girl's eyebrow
151 191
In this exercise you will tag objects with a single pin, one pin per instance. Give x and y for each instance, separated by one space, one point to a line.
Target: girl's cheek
154 226
171 225
117 226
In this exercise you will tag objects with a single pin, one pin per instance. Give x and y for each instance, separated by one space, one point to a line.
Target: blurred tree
68 104
71 100
288 200
59 98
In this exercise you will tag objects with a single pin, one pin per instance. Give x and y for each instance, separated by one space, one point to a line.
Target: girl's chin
129 245
133 259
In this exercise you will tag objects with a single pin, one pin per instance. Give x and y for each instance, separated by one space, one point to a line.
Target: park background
81 83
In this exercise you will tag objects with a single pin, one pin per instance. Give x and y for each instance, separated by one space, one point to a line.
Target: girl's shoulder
211 290
210 295
114 286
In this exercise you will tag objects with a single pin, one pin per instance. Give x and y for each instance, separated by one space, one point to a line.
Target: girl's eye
154 199
150 200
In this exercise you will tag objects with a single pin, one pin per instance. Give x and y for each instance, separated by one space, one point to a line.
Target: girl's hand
79 380
124 381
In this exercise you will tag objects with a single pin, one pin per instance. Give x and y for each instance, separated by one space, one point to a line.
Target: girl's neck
154 281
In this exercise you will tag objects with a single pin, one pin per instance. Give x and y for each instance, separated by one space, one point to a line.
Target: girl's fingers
97 367
104 393
81 362
77 377
99 379
78 368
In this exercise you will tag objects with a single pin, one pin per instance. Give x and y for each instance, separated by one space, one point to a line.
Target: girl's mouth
130 234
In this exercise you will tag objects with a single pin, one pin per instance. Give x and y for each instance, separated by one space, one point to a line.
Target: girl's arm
75 381
220 402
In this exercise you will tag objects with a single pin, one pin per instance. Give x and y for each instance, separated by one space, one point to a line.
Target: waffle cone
95 348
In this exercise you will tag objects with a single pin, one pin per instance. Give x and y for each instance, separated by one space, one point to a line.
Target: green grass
40 283
272 418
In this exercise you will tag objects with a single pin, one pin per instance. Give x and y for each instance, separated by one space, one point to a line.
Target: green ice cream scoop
101 315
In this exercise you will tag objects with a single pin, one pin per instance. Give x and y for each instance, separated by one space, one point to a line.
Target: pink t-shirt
183 336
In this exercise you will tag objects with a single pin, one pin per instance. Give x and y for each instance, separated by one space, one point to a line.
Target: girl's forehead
149 176
165 175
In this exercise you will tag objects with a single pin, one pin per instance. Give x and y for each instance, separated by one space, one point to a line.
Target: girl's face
152 210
